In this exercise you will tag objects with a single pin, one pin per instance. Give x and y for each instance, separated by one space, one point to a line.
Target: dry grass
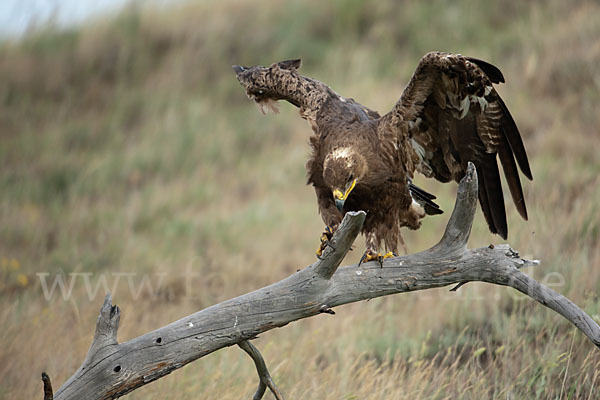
127 146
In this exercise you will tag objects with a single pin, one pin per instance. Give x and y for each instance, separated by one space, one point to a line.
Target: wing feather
454 115
493 188
512 179
511 132
490 70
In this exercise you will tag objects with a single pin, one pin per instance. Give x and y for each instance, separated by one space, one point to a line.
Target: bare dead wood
113 369
265 380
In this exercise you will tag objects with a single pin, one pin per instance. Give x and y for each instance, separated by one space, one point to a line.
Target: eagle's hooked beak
340 198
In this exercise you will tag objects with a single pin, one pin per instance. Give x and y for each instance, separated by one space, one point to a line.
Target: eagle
449 114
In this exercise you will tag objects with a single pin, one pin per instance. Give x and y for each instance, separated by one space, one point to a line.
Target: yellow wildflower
23 280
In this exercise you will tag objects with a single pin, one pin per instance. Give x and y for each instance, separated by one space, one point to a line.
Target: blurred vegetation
127 146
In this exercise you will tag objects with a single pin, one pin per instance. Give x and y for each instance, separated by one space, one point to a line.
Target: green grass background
127 146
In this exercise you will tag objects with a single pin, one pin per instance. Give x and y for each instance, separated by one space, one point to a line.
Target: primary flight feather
449 114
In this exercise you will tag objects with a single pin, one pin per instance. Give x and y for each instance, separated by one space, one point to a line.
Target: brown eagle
449 114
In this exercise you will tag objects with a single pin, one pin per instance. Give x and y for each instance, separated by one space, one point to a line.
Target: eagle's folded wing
454 115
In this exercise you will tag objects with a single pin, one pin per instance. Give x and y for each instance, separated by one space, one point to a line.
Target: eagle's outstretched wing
454 115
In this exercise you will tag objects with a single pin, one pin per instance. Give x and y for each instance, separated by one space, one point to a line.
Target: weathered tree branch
113 369
265 380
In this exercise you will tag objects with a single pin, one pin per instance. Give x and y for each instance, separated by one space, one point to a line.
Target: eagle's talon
362 259
325 241
370 255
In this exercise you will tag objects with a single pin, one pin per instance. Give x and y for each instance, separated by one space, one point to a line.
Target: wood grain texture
113 369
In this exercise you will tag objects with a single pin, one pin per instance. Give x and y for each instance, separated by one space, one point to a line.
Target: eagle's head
343 169
260 82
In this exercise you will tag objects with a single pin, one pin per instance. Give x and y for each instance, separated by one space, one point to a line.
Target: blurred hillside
128 147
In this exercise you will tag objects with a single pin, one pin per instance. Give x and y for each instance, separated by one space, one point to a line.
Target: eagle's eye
351 178
258 91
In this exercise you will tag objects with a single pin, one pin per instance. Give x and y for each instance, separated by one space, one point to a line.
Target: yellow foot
325 241
370 255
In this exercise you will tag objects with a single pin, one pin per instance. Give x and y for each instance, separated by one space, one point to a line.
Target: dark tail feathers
424 199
